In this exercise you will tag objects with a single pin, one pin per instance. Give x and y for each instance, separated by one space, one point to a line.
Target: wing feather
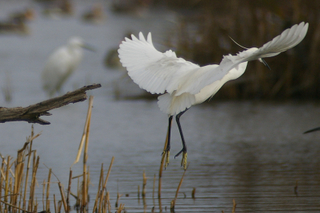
209 74
286 40
152 70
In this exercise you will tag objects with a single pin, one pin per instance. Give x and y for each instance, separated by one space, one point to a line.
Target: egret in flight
182 83
61 64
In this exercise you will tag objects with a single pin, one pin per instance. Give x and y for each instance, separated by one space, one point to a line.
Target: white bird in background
182 83
61 64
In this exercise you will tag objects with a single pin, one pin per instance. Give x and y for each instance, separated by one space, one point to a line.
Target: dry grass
18 183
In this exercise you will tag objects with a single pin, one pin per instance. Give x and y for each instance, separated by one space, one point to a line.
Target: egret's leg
166 150
184 147
169 133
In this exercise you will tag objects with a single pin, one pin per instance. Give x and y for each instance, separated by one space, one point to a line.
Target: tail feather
172 105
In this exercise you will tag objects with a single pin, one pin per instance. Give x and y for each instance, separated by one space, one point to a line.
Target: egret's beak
264 62
89 47
312 130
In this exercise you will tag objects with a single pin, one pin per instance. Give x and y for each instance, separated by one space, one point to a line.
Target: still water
253 152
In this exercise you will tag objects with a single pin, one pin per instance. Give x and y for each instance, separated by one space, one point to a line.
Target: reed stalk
106 180
69 187
55 203
27 172
48 191
6 184
43 194
144 183
121 207
99 192
85 155
87 187
33 182
63 199
108 200
59 206
153 188
193 193
234 206
173 202
105 203
1 180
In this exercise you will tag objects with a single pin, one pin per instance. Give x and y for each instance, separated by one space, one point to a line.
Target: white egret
182 83
61 64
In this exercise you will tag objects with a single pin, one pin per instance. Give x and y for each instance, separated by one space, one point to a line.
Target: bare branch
32 113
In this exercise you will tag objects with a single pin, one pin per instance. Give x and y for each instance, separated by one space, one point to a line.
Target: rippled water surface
253 152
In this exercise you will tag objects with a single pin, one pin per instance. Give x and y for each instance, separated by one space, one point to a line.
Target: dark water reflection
253 152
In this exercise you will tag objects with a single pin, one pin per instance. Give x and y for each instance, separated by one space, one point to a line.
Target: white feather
152 70
186 83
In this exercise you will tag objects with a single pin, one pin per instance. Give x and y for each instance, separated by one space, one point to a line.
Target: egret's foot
167 156
184 160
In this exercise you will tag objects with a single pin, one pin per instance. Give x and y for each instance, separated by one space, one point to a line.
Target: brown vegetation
202 36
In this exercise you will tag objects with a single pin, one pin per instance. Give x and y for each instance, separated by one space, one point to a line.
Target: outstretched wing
286 40
152 70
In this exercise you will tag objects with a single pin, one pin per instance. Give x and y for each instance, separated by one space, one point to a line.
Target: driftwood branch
32 113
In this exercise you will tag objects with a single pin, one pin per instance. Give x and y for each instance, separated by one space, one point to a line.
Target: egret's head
264 62
76 42
249 52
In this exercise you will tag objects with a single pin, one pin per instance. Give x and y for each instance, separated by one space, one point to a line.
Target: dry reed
144 183
234 206
193 193
12 183
18 182
15 195
173 202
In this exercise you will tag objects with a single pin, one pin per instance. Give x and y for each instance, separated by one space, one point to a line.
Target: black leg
184 147
169 134
166 150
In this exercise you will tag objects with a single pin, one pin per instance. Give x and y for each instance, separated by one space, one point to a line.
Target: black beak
312 130
265 63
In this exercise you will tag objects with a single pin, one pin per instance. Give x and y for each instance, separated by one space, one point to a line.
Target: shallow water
253 152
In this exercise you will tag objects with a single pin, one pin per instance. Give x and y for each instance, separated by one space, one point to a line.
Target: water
253 152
